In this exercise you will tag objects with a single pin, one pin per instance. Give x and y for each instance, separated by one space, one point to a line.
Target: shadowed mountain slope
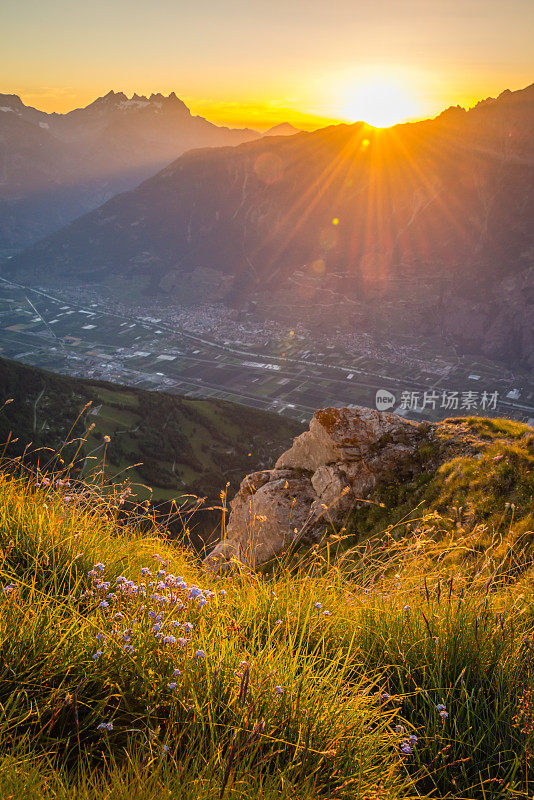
54 167
422 228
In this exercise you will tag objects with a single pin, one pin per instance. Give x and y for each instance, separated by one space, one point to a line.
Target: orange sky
309 62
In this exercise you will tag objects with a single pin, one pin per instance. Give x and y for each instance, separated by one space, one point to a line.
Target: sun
381 103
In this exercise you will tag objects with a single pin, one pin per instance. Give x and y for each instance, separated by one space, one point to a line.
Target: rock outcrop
315 483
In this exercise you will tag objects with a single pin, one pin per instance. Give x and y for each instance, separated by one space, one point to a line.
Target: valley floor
211 351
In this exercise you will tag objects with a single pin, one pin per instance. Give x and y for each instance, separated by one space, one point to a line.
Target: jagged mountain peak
11 101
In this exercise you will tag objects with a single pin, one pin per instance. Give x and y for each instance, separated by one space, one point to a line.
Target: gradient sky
258 63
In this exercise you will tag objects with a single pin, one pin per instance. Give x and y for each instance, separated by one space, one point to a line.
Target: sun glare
381 103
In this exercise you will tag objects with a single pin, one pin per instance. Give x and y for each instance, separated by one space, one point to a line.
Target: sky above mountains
244 62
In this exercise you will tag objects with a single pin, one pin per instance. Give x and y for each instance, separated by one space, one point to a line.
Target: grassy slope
184 445
415 617
466 504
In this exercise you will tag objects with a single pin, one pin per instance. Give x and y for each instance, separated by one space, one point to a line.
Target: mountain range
424 228
55 167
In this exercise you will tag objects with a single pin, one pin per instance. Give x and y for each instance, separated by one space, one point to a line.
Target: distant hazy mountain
55 167
425 227
283 129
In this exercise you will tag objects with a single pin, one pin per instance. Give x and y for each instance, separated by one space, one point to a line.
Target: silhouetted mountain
425 227
55 167
283 129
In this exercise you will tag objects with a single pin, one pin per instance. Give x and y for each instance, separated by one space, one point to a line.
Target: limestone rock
337 462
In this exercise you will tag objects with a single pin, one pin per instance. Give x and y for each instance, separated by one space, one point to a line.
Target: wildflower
156 557
103 604
318 605
200 654
105 726
120 579
444 714
99 635
188 627
407 608
278 689
406 747
128 649
278 622
157 627
182 642
169 640
118 616
96 655
175 673
222 593
202 602
172 685
194 592
440 707
399 729
164 749
161 573
145 571
46 482
327 613
174 623
413 739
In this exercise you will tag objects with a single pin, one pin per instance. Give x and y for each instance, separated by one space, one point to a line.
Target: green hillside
180 446
401 667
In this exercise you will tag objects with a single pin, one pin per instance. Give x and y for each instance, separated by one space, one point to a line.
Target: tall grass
312 681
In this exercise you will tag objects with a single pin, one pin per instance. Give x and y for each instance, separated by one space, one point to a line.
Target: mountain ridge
421 228
55 167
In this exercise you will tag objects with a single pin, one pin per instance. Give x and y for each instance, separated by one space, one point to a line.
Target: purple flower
105 726
278 689
406 747
96 655
172 685
200 654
